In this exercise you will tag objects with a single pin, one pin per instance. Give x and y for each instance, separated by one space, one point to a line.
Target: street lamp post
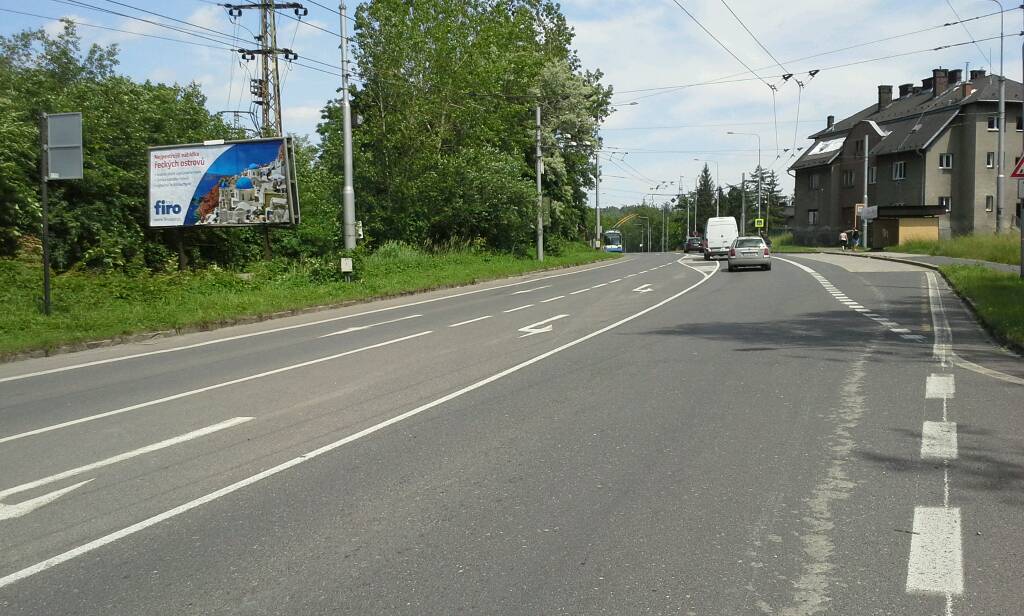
759 170
1002 124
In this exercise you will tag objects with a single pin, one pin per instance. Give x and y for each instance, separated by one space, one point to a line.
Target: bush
986 247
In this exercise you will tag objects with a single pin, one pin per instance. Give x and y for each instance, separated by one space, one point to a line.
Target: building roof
913 121
823 152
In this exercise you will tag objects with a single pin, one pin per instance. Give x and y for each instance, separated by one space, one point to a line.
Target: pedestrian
843 239
856 238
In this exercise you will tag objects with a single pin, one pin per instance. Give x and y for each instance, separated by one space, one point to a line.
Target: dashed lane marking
936 552
939 387
938 440
460 323
518 308
551 299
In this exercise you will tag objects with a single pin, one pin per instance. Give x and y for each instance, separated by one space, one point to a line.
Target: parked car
719 234
749 252
693 244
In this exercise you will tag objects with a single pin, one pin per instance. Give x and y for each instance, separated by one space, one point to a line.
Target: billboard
223 184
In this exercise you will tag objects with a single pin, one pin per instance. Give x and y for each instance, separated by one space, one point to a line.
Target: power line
720 43
756 40
957 15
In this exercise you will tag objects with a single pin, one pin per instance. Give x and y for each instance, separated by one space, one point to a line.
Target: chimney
926 84
830 121
968 89
940 79
955 75
884 97
915 90
978 74
905 89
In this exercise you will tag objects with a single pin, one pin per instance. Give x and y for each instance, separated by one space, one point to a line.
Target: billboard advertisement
223 184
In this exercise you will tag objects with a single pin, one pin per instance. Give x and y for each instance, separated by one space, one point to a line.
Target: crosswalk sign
759 223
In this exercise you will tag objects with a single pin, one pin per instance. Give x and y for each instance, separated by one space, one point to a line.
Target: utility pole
743 203
540 194
266 91
864 221
348 193
1002 124
597 200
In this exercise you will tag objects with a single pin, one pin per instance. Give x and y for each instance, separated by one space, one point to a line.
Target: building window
944 203
945 161
1020 123
993 122
812 217
872 175
858 147
990 203
990 160
815 181
849 178
899 170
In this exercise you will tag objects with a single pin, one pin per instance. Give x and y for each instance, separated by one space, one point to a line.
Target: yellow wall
919 229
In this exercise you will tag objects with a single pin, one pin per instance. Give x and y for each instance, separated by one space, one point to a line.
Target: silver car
749 252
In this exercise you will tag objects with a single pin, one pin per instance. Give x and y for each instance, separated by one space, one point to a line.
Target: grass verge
995 248
998 298
784 243
90 306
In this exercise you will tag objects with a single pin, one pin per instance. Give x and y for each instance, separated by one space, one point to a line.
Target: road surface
652 435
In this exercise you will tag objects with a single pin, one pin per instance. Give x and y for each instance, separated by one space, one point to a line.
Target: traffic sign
1018 172
759 223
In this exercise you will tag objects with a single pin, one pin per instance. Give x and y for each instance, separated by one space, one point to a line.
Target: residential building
930 163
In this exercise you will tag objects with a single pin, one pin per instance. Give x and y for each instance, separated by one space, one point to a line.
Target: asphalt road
653 435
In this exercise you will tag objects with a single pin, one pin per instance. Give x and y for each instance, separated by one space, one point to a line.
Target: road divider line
264 332
193 392
936 552
238 485
362 327
547 286
518 308
551 299
461 323
614 281
580 291
938 440
939 386
598 286
128 455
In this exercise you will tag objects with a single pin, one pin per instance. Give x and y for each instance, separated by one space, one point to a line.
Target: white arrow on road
536 328
16 511
643 288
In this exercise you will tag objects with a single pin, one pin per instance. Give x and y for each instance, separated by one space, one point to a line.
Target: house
930 163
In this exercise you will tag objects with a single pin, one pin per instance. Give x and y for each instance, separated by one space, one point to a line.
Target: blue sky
638 44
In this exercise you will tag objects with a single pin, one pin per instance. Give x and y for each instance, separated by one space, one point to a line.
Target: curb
996 336
247 320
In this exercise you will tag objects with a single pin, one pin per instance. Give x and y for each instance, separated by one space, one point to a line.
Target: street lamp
760 172
1002 123
718 182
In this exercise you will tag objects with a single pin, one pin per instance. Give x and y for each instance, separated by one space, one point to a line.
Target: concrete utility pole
348 193
864 221
760 171
597 200
1002 125
1020 218
743 203
540 194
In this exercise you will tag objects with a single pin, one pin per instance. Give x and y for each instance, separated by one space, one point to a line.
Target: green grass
784 243
996 248
997 296
90 306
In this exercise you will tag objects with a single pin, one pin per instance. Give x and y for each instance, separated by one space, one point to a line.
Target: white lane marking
862 309
936 552
643 288
535 328
547 286
939 386
518 308
580 291
900 330
614 281
8 512
238 485
460 323
872 315
192 392
630 275
942 348
938 440
264 332
598 286
362 327
551 299
176 440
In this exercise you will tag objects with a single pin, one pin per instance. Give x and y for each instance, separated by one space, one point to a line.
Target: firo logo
162 207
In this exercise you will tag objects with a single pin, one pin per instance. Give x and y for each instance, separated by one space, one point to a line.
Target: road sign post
759 223
60 141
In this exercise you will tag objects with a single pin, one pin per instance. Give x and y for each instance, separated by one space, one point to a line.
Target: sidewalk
926 259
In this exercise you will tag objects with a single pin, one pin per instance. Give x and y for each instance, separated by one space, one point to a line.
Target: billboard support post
182 258
60 158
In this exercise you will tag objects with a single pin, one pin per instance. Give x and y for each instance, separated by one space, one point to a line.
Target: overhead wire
717 40
987 59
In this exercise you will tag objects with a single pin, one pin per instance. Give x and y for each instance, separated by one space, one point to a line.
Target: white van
719 234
